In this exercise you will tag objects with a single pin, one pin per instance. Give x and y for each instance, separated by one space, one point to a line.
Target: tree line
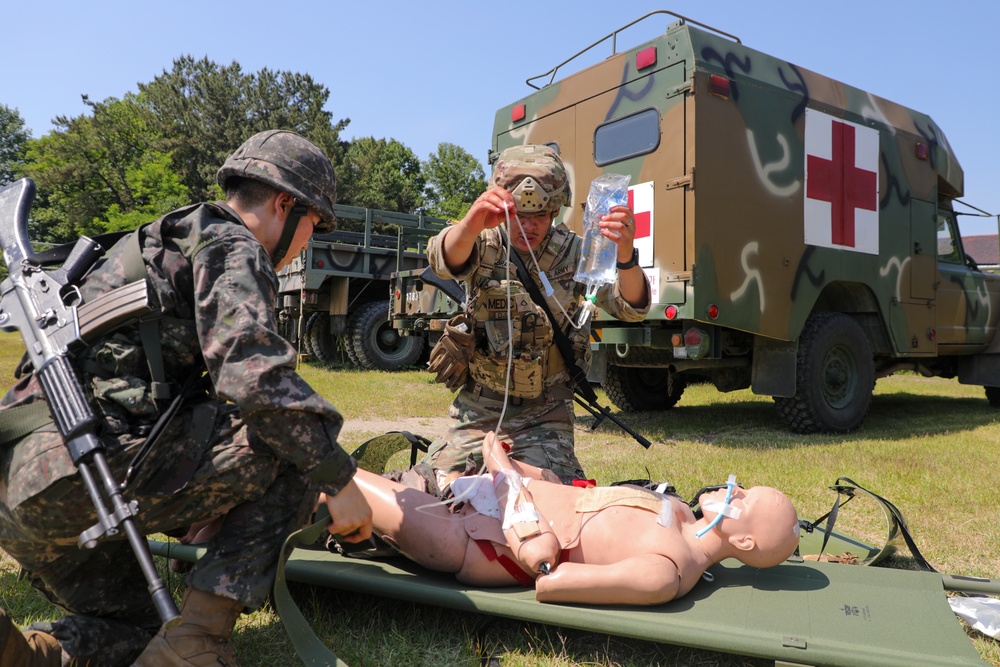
127 161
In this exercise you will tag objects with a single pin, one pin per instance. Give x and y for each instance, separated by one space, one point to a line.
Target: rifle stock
42 306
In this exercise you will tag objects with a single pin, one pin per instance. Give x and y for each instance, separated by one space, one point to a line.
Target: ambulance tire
318 342
642 389
380 347
835 377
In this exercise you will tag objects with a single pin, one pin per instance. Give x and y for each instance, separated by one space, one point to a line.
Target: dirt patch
429 427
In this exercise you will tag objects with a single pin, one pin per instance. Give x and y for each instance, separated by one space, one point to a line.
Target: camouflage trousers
539 431
206 464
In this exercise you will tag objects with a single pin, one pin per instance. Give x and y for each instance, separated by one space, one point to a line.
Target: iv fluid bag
599 254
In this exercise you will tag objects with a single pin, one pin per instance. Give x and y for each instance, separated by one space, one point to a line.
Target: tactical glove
451 356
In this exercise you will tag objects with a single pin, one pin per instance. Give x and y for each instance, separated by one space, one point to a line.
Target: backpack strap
149 324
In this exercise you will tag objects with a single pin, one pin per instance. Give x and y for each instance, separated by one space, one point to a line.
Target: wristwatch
632 262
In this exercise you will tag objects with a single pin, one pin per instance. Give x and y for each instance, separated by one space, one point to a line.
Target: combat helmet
535 175
293 164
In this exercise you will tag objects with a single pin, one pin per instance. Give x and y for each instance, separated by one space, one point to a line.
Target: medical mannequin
604 545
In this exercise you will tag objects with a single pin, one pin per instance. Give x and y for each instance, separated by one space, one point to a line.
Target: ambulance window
947 246
627 137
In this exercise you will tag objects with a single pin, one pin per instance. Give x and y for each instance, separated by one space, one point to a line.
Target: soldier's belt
556 392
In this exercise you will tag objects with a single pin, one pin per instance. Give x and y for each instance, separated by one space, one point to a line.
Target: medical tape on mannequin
597 498
588 307
515 512
730 485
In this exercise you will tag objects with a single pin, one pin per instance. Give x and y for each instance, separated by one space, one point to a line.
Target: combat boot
31 649
201 640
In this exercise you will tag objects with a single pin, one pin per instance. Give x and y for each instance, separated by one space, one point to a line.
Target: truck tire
634 389
347 340
377 345
835 376
319 345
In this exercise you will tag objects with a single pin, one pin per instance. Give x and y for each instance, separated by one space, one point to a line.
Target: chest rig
528 337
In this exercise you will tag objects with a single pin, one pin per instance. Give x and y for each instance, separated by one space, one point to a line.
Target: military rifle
42 305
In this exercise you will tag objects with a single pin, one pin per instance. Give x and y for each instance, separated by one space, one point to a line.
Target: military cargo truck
800 234
337 292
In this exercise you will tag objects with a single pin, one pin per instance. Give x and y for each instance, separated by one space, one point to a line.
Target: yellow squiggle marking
899 266
764 171
752 275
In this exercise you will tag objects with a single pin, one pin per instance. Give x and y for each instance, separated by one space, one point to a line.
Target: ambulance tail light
696 344
670 312
720 85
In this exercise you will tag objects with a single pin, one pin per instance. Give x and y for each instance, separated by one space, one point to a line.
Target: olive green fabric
804 613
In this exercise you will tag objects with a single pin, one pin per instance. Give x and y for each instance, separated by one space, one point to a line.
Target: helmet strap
288 233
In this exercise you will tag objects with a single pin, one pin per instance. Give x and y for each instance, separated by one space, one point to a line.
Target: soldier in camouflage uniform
530 185
252 441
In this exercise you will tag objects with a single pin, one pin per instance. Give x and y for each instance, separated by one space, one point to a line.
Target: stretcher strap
312 652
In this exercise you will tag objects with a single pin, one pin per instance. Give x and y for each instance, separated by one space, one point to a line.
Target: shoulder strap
149 325
565 348
20 420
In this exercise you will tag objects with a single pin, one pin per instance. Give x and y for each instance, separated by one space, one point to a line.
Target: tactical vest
533 359
523 340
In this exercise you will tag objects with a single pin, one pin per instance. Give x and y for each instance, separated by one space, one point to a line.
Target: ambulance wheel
319 345
641 389
835 376
378 346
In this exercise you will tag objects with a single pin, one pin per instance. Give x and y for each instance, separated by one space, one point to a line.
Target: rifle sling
559 336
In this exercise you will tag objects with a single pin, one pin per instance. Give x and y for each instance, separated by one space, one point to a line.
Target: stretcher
798 613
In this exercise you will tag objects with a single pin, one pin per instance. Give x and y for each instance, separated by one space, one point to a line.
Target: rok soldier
529 187
251 439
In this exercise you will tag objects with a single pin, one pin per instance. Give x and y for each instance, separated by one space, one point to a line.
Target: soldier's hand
618 224
489 210
351 515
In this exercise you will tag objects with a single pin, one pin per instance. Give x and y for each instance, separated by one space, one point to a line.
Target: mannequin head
767 530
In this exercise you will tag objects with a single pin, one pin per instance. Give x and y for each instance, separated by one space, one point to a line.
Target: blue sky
433 71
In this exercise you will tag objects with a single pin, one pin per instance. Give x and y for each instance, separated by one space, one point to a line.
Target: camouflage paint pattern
729 186
255 441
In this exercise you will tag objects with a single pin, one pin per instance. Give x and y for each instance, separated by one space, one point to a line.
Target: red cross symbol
641 218
841 183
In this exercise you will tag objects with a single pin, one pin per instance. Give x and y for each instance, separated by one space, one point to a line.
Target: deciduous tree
454 180
14 138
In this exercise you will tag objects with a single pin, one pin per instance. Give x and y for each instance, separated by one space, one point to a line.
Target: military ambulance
799 233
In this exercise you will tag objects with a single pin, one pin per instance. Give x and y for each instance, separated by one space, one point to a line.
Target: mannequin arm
647 579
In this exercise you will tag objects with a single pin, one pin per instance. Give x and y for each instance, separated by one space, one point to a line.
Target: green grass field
929 445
